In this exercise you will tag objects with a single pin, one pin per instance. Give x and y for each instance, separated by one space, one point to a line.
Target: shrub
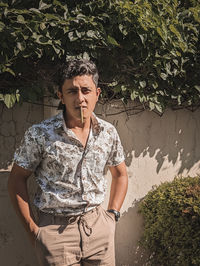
171 214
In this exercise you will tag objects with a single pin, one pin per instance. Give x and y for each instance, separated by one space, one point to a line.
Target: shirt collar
96 128
59 122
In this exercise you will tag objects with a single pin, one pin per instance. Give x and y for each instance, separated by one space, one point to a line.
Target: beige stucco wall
156 148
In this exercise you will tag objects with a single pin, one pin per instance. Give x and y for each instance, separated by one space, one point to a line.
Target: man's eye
86 90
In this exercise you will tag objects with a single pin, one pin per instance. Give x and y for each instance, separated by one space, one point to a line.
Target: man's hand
32 233
112 214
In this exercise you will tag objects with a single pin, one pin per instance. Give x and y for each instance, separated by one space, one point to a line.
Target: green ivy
148 51
171 214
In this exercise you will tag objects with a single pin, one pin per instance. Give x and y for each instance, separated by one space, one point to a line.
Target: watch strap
116 213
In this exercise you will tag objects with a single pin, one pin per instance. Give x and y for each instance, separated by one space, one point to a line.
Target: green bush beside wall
171 214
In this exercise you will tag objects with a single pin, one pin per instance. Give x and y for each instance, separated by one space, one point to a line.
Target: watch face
117 216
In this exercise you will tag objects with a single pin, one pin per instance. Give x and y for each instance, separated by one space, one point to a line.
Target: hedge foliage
171 223
147 51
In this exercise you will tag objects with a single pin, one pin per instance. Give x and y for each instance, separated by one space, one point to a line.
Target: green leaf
160 32
178 53
20 19
43 5
159 108
7 69
86 56
168 68
20 46
183 46
155 85
151 105
17 96
143 38
123 29
133 95
142 98
56 49
112 41
61 5
42 26
2 26
175 31
179 99
142 84
197 88
123 88
9 100
78 34
35 10
163 76
90 33
3 4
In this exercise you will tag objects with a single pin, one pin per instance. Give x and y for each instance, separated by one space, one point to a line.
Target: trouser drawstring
87 229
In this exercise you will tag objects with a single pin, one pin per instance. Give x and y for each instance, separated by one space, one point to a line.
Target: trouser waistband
82 219
68 219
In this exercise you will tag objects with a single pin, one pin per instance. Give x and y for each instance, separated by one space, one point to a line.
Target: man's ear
60 96
98 92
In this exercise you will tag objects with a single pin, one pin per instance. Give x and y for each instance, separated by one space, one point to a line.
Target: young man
68 154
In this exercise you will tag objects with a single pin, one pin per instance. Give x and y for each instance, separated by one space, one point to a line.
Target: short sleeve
28 155
116 155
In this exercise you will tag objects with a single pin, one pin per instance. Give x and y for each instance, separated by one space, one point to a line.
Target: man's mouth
83 107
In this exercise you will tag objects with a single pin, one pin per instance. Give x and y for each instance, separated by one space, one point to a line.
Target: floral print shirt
70 177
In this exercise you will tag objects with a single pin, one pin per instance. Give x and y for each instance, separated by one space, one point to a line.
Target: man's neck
76 124
81 130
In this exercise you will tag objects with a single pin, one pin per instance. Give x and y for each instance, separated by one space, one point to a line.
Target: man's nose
80 96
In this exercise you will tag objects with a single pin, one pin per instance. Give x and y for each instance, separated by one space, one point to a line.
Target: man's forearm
118 192
20 201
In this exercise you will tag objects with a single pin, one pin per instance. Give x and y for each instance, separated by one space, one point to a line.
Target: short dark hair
78 67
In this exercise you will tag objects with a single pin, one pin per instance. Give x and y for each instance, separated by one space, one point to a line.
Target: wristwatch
116 213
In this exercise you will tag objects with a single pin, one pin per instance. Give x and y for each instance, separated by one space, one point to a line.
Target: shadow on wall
15 247
128 232
13 123
174 137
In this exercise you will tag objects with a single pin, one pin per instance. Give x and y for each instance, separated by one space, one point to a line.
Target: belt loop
98 208
53 218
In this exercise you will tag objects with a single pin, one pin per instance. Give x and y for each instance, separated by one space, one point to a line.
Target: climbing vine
146 51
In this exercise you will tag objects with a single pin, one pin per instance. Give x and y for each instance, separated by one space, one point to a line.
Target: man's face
77 92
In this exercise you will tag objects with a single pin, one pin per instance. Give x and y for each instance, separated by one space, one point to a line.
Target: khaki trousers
84 240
